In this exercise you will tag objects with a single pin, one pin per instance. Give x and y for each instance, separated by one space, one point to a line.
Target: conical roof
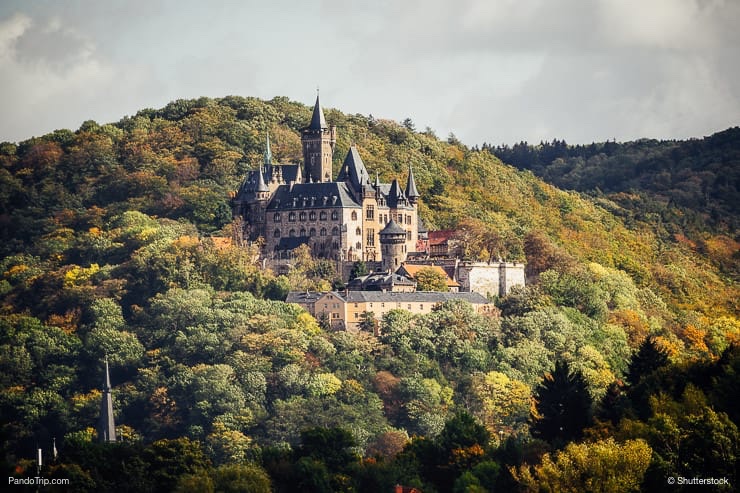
261 186
318 122
392 228
411 191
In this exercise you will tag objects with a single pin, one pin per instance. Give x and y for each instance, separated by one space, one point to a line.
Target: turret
393 245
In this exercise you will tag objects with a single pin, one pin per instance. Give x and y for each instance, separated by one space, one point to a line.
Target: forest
613 370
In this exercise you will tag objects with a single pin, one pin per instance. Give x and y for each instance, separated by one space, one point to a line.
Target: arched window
302 216
291 233
276 234
276 217
323 232
354 215
334 216
358 231
335 245
322 216
303 232
312 232
312 216
291 217
334 231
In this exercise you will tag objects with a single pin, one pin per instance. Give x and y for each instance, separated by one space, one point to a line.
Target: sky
496 71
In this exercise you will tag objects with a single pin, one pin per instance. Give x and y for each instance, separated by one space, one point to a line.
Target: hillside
110 246
689 189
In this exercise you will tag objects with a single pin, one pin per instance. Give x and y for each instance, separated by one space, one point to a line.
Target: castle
350 219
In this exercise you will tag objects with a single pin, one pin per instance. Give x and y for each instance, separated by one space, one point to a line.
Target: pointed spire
261 186
318 122
377 181
106 425
268 153
411 192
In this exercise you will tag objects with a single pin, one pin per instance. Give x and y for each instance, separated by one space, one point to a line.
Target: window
408 235
421 307
334 216
355 305
291 233
334 315
334 231
312 216
358 245
358 232
370 237
382 305
370 212
303 232
409 308
312 232
357 315
323 232
335 245
354 215
322 216
291 217
276 234
302 216
276 218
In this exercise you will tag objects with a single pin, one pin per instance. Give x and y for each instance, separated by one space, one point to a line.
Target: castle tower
318 141
106 425
393 245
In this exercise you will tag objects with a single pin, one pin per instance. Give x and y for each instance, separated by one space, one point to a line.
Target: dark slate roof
411 191
378 281
414 297
318 122
393 228
316 195
354 171
304 296
396 198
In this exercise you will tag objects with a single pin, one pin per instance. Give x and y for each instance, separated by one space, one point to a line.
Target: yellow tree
600 467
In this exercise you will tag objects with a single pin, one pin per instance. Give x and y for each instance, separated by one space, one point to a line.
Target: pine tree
563 406
648 358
